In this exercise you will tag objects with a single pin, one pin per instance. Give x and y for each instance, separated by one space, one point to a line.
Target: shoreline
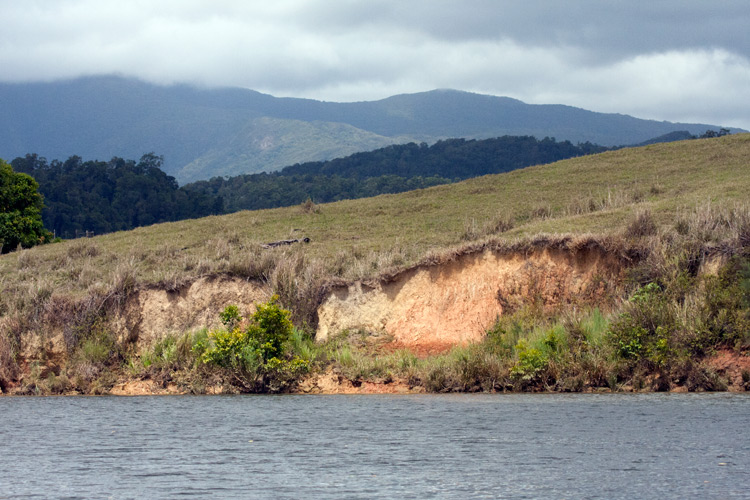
727 363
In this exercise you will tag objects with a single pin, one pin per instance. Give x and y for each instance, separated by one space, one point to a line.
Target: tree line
393 169
97 197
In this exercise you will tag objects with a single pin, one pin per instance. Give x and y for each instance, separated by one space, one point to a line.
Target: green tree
20 211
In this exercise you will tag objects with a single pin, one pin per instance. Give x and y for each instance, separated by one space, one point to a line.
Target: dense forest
97 197
392 169
451 158
100 197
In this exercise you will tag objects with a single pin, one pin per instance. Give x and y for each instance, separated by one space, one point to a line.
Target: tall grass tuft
643 224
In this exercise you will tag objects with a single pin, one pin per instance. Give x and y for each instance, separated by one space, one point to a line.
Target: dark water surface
457 446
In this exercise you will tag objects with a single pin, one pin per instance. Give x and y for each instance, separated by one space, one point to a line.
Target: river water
380 446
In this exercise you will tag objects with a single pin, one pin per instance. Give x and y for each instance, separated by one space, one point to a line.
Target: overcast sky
676 60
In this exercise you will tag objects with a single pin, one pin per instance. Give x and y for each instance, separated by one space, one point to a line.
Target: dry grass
595 194
689 194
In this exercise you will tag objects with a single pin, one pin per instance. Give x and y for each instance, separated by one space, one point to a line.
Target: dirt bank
151 313
148 314
734 366
456 301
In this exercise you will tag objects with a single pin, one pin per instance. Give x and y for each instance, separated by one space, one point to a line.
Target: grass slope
594 194
268 144
675 200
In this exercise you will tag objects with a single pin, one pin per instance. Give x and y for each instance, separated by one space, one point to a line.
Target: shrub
726 309
531 362
465 368
309 207
170 353
97 345
256 356
230 316
643 333
499 225
474 369
471 230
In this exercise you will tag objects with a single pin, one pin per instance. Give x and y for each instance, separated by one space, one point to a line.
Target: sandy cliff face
457 301
443 304
451 301
151 313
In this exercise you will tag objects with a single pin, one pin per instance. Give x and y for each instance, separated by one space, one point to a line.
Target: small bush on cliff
645 334
531 362
726 310
257 355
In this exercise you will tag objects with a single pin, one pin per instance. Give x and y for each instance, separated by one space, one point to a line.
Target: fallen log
279 243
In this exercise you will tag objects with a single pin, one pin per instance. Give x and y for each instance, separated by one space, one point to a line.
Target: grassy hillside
681 194
592 194
266 144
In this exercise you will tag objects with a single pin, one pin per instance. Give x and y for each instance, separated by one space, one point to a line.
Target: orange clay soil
732 365
430 308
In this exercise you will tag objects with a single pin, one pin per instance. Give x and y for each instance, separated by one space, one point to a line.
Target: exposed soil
430 308
152 313
143 388
732 365
331 382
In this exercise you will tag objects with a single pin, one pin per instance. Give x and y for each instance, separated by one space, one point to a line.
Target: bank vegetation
676 215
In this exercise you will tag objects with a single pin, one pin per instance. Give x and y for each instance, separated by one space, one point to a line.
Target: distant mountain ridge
204 133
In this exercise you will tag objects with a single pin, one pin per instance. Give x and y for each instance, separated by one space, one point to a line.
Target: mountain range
208 132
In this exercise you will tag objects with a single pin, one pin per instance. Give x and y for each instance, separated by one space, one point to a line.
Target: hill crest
205 132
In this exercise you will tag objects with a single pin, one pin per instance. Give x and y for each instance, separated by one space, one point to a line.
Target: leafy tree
20 210
712 133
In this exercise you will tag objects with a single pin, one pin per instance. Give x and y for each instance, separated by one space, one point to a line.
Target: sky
674 60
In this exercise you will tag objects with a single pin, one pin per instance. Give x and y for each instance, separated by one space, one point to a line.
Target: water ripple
429 446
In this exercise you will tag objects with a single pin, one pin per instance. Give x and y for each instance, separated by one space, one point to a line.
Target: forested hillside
98 197
101 197
392 169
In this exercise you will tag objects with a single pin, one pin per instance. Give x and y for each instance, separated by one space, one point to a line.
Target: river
377 446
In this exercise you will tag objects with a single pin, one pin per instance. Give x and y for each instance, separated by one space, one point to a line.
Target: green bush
726 309
531 362
258 356
646 332
230 316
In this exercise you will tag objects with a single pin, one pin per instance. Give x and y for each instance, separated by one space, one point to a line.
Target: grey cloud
617 28
669 59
